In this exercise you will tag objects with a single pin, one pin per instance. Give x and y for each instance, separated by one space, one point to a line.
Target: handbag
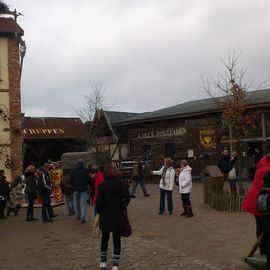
127 229
232 174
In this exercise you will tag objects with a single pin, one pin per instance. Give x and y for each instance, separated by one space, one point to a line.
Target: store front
49 137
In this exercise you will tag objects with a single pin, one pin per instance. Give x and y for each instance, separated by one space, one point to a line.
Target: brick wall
15 107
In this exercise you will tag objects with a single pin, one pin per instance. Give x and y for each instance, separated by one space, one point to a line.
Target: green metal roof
189 108
115 117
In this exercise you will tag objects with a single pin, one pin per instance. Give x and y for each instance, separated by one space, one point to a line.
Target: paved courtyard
210 240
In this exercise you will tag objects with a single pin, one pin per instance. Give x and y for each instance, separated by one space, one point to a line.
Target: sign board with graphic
208 138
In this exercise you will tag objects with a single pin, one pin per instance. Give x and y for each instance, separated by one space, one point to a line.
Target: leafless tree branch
95 99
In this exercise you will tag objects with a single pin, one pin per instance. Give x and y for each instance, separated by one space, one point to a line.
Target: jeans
70 203
136 183
81 203
163 193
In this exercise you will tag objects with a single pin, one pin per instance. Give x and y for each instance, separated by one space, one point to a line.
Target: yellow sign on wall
208 138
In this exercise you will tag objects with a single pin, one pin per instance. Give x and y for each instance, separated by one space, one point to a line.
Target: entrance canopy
53 128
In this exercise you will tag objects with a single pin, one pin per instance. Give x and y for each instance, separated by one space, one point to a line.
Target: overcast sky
149 54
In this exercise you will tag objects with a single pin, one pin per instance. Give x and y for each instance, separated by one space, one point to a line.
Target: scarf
163 175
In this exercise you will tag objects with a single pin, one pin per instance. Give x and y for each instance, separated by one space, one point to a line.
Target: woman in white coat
185 186
167 174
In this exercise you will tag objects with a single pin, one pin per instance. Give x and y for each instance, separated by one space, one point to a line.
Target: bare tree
233 86
95 99
3 7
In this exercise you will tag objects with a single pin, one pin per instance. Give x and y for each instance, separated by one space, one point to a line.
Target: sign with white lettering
180 131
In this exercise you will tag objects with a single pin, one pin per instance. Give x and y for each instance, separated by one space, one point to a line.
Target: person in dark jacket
138 178
224 162
68 191
80 181
112 197
30 191
4 193
44 191
233 167
224 165
47 168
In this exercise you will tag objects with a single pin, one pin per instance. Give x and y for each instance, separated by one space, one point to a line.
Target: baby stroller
16 196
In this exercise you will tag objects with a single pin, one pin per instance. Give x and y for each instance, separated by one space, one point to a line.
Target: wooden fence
227 202
219 197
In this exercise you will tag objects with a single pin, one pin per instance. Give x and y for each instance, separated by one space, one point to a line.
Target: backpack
263 201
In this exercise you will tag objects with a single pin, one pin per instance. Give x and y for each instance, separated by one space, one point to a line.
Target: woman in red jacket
250 202
97 175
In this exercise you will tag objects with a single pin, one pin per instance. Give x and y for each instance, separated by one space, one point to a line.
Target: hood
264 162
79 164
29 173
187 168
114 185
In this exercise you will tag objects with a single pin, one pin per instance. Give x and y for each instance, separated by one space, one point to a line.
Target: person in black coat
44 189
112 198
30 191
68 191
80 180
224 165
4 193
224 162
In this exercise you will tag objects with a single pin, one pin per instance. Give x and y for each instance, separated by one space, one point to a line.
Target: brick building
12 50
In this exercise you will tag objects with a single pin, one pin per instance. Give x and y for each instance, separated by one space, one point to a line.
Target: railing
218 197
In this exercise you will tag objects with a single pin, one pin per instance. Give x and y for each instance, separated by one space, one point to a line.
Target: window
224 130
170 150
146 149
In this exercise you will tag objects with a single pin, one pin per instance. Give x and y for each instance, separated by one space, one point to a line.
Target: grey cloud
148 53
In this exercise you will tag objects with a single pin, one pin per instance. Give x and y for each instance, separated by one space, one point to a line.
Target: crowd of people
105 189
102 187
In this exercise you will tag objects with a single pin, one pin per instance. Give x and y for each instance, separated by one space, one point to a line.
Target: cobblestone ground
137 254
210 240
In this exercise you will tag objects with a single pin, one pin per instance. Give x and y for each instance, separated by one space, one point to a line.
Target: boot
189 210
185 211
